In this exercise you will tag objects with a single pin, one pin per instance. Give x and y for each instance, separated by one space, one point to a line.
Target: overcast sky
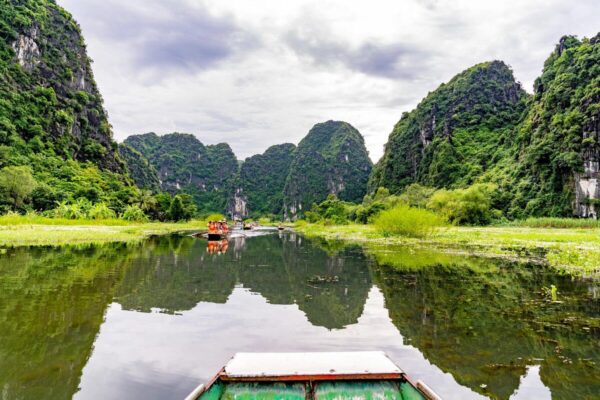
262 72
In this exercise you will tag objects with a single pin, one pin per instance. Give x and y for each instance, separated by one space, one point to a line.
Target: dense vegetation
185 165
456 133
331 159
542 152
52 122
494 151
559 141
141 171
415 211
262 180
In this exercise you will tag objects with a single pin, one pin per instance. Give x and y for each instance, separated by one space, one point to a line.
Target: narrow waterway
153 320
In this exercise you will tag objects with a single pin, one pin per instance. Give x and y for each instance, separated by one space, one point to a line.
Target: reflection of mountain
485 321
331 290
52 304
175 274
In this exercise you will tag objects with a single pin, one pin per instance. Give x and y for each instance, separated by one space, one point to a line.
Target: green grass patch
559 223
573 250
40 231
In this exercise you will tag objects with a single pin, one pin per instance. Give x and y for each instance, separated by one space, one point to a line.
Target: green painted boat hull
321 390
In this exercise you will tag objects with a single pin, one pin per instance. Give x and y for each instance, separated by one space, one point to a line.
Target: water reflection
152 320
217 246
489 323
51 307
179 273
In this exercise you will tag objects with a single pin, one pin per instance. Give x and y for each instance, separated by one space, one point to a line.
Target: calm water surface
153 320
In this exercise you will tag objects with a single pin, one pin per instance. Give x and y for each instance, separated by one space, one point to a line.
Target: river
154 319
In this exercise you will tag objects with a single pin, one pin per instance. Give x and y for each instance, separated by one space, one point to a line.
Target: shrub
16 185
470 206
416 195
364 213
101 211
265 221
69 211
134 213
43 197
215 217
331 211
408 221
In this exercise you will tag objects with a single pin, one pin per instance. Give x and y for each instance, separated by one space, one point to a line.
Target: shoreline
576 251
85 232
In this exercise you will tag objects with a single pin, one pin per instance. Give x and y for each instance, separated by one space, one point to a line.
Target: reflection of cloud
180 352
531 386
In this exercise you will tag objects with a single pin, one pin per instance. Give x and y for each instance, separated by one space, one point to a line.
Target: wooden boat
312 376
216 236
217 230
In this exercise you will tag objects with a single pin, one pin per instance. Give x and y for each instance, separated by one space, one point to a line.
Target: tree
16 184
147 202
182 208
163 203
176 211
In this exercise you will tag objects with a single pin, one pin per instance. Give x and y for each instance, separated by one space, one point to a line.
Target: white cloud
257 73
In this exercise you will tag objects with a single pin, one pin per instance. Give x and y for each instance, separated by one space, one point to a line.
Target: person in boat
225 227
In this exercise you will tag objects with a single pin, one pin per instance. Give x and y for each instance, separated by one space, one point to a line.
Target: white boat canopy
249 365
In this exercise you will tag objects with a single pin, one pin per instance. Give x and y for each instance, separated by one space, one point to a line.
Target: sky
263 72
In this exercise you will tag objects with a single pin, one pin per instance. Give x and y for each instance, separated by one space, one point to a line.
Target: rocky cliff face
261 182
184 164
450 137
542 150
331 159
558 169
52 98
587 183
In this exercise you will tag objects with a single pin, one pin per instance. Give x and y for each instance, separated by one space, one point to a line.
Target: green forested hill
52 122
185 165
141 171
331 159
456 133
261 182
558 168
541 151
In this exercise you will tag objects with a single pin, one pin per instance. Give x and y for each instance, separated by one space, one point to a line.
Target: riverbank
18 231
573 250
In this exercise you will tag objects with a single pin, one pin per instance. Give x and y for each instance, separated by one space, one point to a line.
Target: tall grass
404 220
560 223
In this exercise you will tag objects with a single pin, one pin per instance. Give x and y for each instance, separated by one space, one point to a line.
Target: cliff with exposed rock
331 159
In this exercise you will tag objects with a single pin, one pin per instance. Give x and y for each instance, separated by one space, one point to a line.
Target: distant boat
217 230
312 376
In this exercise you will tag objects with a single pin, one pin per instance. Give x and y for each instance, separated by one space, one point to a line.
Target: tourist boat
217 230
312 376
